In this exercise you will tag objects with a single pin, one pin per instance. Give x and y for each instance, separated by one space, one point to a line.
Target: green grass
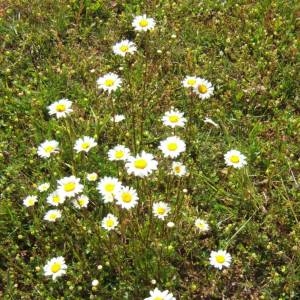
58 49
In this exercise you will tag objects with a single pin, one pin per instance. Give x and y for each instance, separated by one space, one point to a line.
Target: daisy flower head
70 186
127 197
52 215
47 148
220 259
109 185
43 187
109 82
117 118
178 169
109 222
174 118
201 225
123 47
172 146
141 165
161 210
189 81
119 152
56 198
142 23
235 159
30 201
203 88
81 201
60 108
92 176
85 144
156 294
55 267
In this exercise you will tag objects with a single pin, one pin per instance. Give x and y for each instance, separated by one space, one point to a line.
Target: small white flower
119 152
123 47
174 118
127 197
109 82
117 118
56 198
161 210
56 267
109 185
220 259
156 294
70 186
47 148
52 215
95 282
178 169
235 159
43 187
189 81
172 146
81 201
60 108
142 165
109 222
92 176
210 121
108 198
201 225
85 144
30 201
142 23
203 88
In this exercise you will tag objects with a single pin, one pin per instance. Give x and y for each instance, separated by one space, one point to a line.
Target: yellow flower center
85 145
55 267
174 119
172 146
119 154
202 89
234 159
177 169
53 216
220 259
191 82
124 48
31 202
126 197
69 187
200 225
49 149
109 82
109 187
140 163
110 223
81 202
60 107
56 199
161 210
158 298
144 23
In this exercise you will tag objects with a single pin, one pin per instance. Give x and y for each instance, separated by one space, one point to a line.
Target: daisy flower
30 201
117 118
109 222
203 88
81 201
56 198
161 209
109 82
70 186
156 294
43 187
60 108
142 23
172 146
52 215
178 169
127 197
55 267
201 225
109 185
47 148
189 81
141 165
124 47
235 159
220 259
92 176
174 118
119 152
85 144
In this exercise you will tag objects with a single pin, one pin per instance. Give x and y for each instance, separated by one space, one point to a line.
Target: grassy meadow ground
57 49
